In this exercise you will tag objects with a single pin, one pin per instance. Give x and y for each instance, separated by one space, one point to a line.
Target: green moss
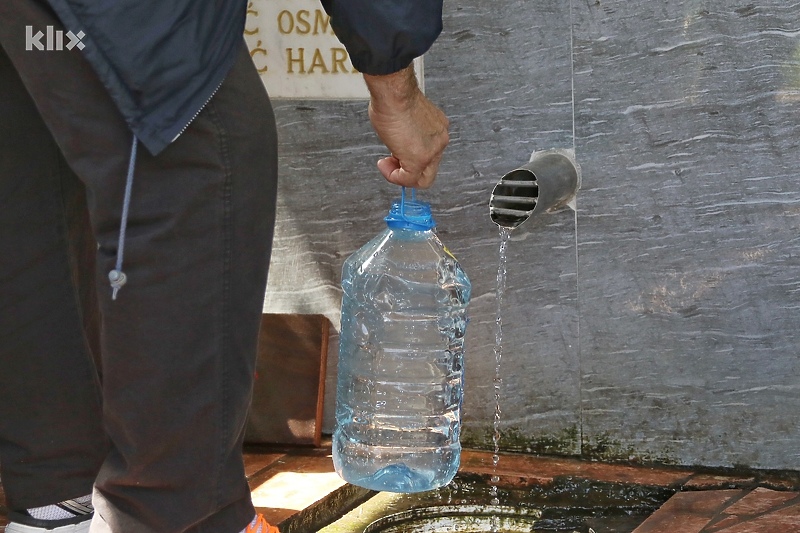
599 447
602 447
512 439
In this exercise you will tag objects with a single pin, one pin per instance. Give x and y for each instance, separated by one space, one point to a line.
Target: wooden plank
293 483
257 462
688 512
289 381
323 365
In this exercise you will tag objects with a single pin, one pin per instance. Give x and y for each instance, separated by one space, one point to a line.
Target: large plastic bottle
401 358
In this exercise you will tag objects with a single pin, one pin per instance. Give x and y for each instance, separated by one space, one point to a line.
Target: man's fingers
430 172
387 166
393 172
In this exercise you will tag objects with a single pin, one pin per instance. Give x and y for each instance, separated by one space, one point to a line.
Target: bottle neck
410 215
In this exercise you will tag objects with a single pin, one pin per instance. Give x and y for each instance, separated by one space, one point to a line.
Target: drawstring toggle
117 279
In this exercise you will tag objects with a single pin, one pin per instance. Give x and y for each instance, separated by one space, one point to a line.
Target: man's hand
410 125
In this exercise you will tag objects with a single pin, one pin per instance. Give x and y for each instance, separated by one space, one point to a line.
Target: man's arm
383 38
410 125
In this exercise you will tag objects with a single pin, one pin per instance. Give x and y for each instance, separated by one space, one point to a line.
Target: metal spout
549 181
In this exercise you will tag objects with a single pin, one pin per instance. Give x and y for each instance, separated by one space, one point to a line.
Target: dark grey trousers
142 399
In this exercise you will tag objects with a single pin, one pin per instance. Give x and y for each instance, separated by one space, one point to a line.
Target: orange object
259 525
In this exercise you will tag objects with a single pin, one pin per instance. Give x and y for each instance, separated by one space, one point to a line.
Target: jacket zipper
186 126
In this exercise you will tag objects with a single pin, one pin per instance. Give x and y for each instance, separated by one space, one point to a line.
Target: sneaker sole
83 527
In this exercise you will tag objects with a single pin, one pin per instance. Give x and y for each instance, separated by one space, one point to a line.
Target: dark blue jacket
162 61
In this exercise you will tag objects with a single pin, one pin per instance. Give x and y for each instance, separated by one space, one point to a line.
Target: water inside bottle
401 364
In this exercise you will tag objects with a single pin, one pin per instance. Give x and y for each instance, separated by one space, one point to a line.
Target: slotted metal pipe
549 181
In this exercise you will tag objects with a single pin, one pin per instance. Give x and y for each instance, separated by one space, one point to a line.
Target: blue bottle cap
410 214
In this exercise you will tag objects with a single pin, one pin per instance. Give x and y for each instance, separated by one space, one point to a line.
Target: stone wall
660 321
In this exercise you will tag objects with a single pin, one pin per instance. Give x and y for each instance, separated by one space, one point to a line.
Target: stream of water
505 234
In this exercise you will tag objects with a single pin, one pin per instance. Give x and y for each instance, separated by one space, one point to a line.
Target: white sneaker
69 516
16 527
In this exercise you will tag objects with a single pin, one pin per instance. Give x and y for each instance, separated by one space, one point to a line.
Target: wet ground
565 505
297 489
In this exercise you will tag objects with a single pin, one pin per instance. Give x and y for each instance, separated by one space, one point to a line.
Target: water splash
505 234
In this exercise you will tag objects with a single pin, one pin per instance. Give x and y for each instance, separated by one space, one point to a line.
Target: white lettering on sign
297 53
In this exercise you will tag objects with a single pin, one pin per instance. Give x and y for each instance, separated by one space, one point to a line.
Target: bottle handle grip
403 199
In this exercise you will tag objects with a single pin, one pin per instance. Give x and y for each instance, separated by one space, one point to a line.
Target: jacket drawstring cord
117 277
